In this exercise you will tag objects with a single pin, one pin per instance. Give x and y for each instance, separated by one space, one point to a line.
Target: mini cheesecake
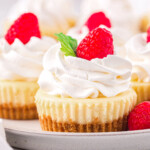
22 50
138 52
85 87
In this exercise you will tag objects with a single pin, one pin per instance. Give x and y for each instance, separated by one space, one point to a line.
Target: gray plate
28 135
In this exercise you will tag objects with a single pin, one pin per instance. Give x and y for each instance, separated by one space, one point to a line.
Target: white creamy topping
75 77
23 62
138 52
51 13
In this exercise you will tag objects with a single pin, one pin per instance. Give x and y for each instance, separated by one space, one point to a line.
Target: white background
5 6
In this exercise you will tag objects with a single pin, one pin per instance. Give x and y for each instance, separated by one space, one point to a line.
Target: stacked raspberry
97 19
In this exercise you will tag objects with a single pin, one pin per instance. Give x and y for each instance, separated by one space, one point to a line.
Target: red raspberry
148 35
97 44
23 28
97 19
139 118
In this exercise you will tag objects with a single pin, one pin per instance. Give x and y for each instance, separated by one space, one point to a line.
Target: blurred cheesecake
53 18
121 14
22 50
145 22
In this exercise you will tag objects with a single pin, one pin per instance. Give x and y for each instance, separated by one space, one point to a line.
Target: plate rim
71 134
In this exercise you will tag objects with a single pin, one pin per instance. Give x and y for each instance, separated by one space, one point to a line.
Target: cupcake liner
17 100
143 91
84 115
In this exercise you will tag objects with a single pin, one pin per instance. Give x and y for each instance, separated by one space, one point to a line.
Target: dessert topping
68 44
25 27
139 118
97 44
148 35
97 19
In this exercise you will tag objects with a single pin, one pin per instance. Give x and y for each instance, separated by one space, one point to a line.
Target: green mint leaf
68 44
73 43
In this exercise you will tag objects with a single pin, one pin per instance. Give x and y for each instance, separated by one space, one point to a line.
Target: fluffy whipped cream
49 12
138 52
23 62
75 77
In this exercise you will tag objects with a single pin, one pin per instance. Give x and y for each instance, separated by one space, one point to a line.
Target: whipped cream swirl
75 77
138 52
23 62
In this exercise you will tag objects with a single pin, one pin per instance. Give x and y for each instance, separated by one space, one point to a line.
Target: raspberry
97 19
23 28
139 118
97 44
148 35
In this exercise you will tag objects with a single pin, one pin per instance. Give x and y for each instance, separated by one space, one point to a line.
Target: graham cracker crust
26 112
47 124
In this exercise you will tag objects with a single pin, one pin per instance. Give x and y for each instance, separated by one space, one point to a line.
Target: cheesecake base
17 100
26 112
47 124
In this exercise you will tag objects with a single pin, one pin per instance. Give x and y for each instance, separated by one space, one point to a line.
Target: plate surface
28 135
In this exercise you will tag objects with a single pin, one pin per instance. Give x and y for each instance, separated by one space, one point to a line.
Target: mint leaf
73 43
68 44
